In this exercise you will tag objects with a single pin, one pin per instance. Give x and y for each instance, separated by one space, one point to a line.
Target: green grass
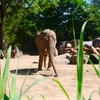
4 78
5 75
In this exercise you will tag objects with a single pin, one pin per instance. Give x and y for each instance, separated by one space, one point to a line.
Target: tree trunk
3 15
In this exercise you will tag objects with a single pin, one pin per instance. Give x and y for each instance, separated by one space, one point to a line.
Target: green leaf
34 83
80 70
24 81
43 97
5 76
90 97
6 97
96 56
96 70
60 85
13 87
36 95
73 31
16 97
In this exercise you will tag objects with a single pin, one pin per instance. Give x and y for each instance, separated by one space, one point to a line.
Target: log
68 45
94 50
98 49
68 49
74 51
88 50
87 46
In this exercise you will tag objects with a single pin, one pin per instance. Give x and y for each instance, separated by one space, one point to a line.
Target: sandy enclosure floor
49 89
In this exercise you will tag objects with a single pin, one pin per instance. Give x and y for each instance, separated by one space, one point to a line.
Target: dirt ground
49 89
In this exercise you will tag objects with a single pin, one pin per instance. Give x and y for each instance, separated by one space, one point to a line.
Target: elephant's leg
49 63
40 61
45 57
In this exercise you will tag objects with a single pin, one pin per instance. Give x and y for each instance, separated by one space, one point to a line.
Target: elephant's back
45 34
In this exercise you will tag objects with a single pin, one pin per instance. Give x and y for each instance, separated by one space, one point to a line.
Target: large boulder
96 42
93 59
62 59
87 43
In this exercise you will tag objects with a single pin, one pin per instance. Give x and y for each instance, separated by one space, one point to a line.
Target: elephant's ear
55 39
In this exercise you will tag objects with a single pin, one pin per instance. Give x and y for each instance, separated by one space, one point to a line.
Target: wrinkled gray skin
55 53
46 41
96 42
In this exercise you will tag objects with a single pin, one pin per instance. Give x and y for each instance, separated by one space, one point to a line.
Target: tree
19 6
4 4
3 8
93 27
26 18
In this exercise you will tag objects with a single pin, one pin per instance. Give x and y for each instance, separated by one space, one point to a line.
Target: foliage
27 18
25 21
13 95
5 75
62 88
93 28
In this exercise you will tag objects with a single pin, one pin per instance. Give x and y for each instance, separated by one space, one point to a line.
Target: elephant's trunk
51 55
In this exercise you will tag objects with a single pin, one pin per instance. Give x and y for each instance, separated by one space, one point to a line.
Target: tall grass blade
96 70
43 97
17 66
34 83
99 91
90 97
73 31
62 88
24 81
6 70
0 70
36 95
16 97
0 65
80 76
4 78
13 87
6 97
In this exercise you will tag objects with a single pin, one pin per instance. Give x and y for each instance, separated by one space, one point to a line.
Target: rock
62 59
73 59
93 59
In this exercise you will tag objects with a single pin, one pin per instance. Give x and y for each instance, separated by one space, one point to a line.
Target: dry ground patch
49 89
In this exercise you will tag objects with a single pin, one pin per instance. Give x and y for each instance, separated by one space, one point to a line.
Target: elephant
55 53
46 41
96 42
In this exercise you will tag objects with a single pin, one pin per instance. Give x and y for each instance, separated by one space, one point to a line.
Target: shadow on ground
24 71
31 71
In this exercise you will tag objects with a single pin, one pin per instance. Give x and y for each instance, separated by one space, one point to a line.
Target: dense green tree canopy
25 18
